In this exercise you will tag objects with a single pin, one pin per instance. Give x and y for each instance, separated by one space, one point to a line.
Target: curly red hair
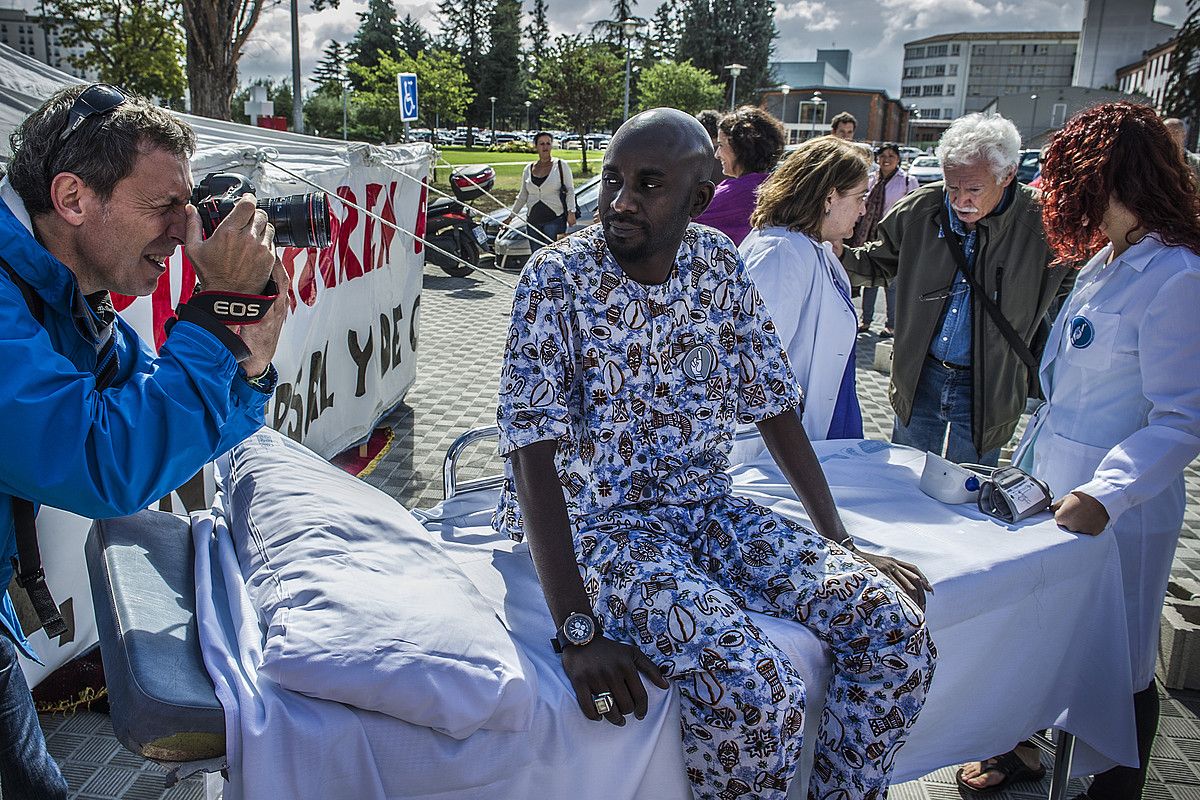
1116 150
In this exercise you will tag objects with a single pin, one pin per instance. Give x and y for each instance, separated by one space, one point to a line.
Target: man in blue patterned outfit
635 348
95 199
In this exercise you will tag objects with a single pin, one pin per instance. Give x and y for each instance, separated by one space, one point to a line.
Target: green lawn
508 168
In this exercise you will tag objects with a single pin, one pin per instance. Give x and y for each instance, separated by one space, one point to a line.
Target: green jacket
1012 263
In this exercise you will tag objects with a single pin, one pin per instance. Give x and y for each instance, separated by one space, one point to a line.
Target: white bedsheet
1027 621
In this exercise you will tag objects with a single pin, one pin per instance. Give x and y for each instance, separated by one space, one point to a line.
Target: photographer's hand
263 336
239 256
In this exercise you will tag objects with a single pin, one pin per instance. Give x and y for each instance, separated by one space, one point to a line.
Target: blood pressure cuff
1010 495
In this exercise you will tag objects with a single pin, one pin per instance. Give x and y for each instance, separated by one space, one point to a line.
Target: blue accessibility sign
407 84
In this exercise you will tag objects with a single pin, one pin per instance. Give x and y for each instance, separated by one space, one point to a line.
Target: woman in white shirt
1121 370
814 197
548 189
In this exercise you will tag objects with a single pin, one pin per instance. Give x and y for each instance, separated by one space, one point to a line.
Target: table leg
1064 753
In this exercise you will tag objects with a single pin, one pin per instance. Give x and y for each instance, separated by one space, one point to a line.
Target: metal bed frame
1063 748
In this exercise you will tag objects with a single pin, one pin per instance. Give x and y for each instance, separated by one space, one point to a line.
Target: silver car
512 247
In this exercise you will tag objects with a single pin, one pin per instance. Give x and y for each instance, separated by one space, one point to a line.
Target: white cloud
816 16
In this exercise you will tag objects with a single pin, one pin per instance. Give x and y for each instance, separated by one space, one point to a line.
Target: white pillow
360 604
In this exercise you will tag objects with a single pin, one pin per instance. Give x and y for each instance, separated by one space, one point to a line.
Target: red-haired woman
1121 371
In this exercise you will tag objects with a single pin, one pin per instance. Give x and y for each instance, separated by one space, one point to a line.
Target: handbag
1032 362
562 191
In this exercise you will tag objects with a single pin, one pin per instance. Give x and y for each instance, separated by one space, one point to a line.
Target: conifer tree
465 31
331 69
412 37
1183 84
501 76
714 33
378 34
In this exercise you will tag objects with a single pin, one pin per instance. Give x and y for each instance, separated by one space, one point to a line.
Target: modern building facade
1038 115
949 75
28 34
1149 75
1116 33
805 111
831 68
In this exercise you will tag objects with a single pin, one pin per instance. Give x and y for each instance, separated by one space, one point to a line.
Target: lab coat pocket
1091 338
1064 463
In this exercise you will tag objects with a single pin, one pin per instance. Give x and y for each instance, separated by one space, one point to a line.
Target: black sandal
1010 766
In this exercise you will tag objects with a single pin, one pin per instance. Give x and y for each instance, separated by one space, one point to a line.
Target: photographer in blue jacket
94 201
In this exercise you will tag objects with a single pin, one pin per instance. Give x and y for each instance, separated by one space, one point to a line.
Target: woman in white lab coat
814 197
1121 370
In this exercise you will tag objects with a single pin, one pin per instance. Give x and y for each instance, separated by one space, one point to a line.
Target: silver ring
603 702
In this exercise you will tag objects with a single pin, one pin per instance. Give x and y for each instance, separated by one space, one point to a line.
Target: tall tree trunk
216 33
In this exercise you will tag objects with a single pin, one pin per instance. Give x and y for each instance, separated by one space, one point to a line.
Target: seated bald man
635 348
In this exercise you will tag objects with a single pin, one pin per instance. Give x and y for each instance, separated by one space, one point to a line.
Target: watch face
578 629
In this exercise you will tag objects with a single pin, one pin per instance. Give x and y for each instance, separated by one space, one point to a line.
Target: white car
926 169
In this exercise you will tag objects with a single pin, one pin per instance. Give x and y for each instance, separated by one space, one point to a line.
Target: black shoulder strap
1006 329
27 564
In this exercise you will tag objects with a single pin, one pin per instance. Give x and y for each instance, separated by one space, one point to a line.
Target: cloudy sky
874 30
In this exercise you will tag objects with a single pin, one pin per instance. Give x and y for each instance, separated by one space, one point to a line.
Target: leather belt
949 365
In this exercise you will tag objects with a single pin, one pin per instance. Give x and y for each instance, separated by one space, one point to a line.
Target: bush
516 146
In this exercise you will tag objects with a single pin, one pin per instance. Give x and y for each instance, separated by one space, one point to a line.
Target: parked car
926 169
1029 165
512 247
907 154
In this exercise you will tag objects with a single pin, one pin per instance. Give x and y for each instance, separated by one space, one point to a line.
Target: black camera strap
1006 329
232 308
27 564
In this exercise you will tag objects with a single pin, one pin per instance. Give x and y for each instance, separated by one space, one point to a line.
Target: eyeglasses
97 99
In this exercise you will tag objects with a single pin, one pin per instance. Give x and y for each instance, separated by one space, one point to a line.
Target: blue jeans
27 772
549 231
943 397
869 294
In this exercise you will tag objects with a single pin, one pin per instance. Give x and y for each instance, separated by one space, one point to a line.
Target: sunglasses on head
96 100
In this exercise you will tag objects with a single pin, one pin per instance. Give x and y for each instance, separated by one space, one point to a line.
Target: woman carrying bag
547 187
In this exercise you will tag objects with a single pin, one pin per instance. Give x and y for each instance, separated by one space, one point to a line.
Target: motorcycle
453 226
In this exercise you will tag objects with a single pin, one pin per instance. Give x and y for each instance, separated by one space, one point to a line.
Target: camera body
300 220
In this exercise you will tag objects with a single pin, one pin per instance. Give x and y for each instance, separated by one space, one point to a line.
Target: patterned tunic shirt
641 385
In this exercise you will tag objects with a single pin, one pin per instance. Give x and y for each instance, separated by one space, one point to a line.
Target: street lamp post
1032 116
345 104
786 91
812 120
493 99
528 103
734 70
913 111
629 28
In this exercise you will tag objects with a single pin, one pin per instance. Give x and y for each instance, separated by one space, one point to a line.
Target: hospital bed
1017 582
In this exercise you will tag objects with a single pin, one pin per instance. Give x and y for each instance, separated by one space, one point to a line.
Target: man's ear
702 197
71 197
1012 174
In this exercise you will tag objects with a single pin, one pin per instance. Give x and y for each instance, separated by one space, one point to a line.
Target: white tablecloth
1028 619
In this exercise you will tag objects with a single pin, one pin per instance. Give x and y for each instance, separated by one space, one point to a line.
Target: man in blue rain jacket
94 201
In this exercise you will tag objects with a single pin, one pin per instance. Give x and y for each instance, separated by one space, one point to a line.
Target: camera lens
300 220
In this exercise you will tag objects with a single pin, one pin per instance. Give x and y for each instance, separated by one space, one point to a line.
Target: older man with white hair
969 259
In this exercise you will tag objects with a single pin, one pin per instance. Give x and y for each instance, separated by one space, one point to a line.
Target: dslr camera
300 220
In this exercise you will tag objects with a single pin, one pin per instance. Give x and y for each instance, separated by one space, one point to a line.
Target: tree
330 71
582 83
714 33
1183 84
501 76
137 44
538 33
663 42
683 86
445 91
412 37
611 30
378 34
464 31
278 92
216 35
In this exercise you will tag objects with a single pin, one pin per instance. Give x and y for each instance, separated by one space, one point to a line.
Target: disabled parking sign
407 84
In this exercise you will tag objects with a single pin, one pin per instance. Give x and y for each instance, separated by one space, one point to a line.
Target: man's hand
239 256
907 576
603 665
570 218
1080 513
263 336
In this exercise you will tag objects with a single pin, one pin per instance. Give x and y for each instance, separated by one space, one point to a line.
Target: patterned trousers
677 582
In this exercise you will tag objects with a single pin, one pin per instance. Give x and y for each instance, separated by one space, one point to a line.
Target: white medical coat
816 323
1121 374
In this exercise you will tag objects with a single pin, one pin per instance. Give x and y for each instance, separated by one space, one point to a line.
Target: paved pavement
463 324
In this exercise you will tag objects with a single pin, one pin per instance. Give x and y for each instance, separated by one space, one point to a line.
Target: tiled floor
463 323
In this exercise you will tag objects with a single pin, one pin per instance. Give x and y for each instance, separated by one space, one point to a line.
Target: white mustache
967 210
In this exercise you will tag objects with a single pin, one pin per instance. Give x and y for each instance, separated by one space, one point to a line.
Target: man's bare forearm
548 529
786 439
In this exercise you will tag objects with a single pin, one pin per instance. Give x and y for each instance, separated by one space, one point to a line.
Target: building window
952 69
910 91
947 113
978 50
935 51
935 70
933 90
914 52
954 49
949 89
912 72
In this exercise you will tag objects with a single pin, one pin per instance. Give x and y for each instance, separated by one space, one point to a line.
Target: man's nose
624 201
177 225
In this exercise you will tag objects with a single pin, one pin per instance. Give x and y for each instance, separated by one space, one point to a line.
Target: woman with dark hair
1121 374
749 143
547 187
886 186
814 198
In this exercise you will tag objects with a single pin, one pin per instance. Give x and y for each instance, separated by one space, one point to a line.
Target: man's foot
1015 766
864 327
886 333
